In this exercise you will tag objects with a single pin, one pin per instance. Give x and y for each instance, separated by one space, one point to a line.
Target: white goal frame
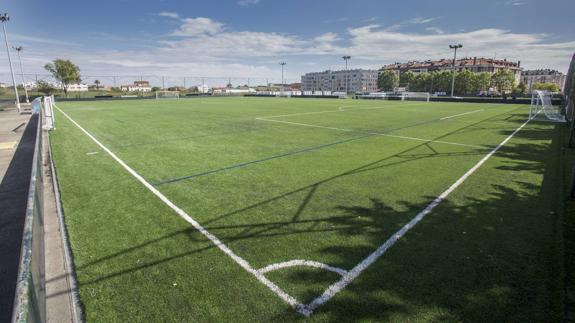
415 96
167 95
542 108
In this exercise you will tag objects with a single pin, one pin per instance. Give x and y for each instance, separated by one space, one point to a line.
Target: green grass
275 192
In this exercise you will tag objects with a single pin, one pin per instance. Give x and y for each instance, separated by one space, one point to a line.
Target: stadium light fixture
346 58
18 49
455 48
283 64
4 18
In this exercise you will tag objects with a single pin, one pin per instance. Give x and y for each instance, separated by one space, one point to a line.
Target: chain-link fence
101 85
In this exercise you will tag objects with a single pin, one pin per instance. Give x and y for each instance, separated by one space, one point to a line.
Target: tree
421 83
521 88
65 72
97 83
406 78
45 87
483 82
388 80
442 81
464 82
503 80
551 87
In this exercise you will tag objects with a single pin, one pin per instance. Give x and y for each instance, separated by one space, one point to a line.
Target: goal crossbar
167 95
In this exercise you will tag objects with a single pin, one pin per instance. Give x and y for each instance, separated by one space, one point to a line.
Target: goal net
542 108
283 94
167 94
415 96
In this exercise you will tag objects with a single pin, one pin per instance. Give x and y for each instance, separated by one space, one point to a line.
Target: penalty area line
215 240
461 114
369 260
373 133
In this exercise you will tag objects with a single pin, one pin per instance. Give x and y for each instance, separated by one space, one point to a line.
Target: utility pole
4 18
18 49
283 64
454 47
346 58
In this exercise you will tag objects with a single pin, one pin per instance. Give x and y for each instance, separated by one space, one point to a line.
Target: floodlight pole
4 18
454 47
283 64
346 58
18 49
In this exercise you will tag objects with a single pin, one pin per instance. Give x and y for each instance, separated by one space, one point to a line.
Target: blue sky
248 38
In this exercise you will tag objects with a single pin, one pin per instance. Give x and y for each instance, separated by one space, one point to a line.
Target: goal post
167 95
542 108
415 96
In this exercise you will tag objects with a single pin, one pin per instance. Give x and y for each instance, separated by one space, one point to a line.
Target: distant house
203 88
2 85
77 87
138 86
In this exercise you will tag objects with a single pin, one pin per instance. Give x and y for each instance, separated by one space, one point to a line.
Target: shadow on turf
484 260
267 227
489 258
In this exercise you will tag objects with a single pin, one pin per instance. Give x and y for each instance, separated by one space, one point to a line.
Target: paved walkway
16 152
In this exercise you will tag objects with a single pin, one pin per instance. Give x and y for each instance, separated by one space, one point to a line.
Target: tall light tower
455 48
4 18
18 49
283 64
346 58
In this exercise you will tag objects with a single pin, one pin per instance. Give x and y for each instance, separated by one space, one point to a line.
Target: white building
358 80
77 87
138 86
203 88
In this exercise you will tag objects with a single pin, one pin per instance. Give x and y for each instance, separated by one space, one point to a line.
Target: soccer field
277 209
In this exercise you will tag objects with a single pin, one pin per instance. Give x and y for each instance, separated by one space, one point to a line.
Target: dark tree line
466 82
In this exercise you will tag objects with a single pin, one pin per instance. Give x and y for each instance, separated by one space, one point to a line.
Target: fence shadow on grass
488 257
484 259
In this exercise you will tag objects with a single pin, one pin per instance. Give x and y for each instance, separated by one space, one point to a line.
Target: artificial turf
324 180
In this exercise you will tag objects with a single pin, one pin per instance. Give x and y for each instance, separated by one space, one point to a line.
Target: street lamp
455 48
283 64
18 49
4 18
346 58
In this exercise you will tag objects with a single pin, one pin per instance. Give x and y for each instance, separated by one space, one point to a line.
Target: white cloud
247 3
533 50
421 20
198 26
204 47
514 3
168 14
327 38
435 30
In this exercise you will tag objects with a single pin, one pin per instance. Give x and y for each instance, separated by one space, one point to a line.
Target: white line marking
373 133
93 153
341 109
299 262
461 114
242 262
348 277
429 140
359 268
